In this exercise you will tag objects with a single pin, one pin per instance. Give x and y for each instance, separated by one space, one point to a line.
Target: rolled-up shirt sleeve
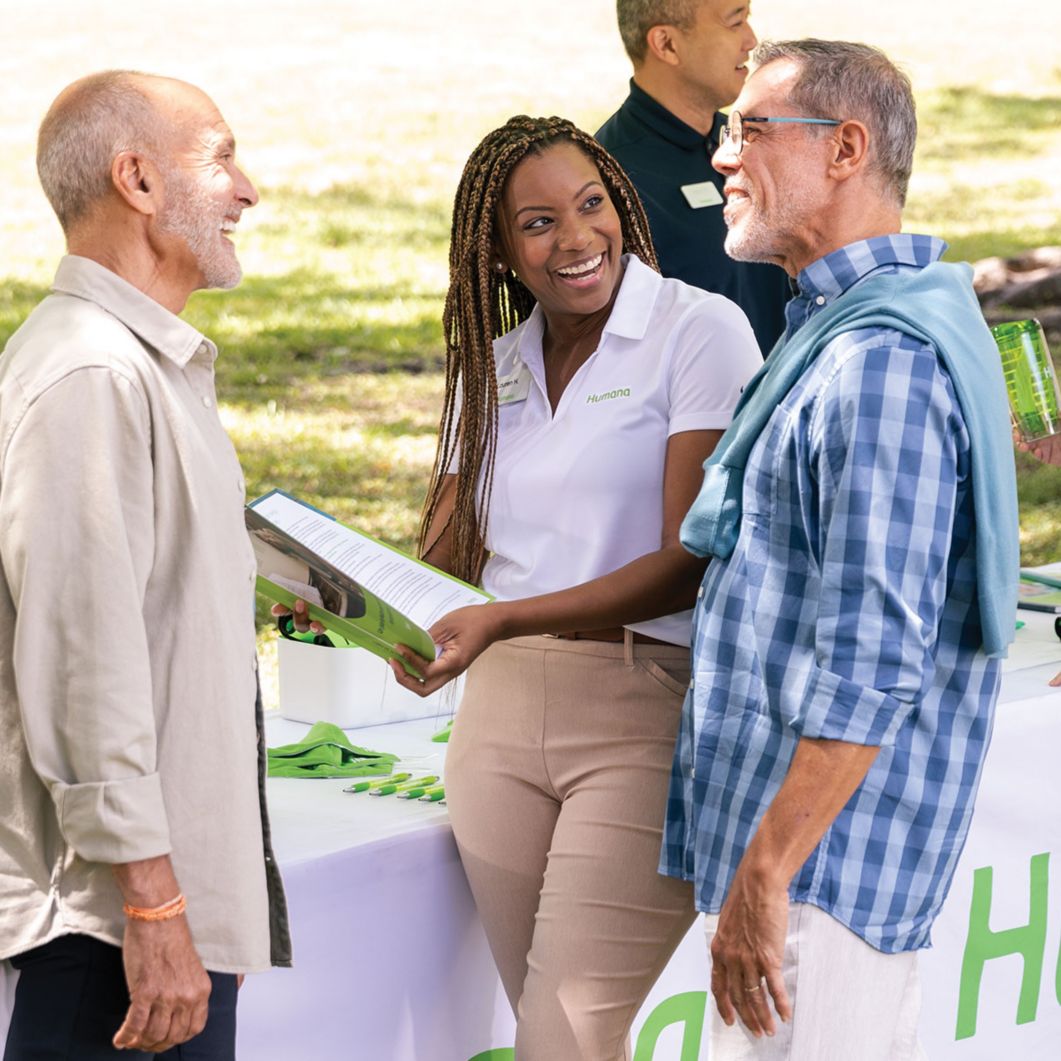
76 541
889 452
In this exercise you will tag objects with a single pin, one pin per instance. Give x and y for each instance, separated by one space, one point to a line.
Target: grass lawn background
354 120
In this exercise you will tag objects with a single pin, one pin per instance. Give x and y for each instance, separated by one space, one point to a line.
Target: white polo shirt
579 493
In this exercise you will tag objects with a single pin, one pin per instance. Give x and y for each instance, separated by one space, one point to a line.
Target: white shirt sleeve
713 356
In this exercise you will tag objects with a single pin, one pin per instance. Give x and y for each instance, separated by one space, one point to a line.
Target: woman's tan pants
556 779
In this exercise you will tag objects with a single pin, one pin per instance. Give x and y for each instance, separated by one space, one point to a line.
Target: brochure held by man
368 592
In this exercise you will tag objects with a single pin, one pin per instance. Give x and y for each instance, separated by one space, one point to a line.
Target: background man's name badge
703 194
515 387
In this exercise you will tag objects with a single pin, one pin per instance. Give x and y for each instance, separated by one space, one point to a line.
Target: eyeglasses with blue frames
733 130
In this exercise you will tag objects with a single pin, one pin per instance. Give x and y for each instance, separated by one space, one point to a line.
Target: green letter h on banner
1029 941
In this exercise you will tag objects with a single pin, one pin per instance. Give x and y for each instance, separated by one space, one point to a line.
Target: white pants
850 1002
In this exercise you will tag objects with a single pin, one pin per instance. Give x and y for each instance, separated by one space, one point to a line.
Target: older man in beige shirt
134 844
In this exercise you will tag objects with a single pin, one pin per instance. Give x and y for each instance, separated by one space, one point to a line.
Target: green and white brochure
370 593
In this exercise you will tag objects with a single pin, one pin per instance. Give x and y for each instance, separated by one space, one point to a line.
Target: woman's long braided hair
483 303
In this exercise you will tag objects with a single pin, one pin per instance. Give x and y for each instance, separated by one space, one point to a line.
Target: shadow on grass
357 196
983 124
282 336
276 333
1000 212
349 216
1039 494
1004 243
357 484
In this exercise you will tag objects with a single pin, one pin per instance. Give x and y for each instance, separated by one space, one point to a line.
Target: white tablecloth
390 958
376 888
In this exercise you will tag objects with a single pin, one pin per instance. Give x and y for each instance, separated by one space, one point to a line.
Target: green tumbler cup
1031 384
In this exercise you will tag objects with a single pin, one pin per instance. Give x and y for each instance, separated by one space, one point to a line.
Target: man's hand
168 986
169 989
750 943
747 952
461 636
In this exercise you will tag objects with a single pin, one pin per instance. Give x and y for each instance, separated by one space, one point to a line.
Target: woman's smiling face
559 231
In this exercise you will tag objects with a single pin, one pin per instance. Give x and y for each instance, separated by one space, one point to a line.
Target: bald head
94 120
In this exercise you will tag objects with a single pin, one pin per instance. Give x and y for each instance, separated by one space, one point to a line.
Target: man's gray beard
192 215
760 236
751 242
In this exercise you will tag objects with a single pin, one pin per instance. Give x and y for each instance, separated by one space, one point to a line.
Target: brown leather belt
615 633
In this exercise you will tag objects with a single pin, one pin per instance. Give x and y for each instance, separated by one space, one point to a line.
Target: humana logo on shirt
607 396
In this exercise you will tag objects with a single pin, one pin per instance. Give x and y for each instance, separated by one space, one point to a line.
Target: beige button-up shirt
128 719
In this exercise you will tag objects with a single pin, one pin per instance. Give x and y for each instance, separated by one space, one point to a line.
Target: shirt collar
829 277
628 319
635 300
141 314
648 110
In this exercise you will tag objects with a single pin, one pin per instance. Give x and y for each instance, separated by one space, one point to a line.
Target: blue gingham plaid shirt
847 611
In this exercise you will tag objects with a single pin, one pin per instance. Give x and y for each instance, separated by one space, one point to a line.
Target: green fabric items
326 751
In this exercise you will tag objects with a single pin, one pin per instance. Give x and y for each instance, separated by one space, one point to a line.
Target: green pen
433 795
364 786
386 790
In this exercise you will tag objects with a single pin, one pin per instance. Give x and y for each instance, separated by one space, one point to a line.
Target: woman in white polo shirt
610 386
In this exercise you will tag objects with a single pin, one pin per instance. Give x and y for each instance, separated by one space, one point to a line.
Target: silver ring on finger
758 987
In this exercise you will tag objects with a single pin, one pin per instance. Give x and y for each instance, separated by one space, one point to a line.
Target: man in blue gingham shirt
841 704
823 624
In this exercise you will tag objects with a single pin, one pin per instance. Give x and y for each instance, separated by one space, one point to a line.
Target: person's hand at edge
1047 450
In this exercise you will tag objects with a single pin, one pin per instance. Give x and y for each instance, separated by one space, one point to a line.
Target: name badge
703 194
514 387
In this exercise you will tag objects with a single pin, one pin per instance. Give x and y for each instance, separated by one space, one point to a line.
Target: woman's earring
500 266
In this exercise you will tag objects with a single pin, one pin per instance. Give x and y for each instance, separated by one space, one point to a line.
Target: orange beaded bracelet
174 908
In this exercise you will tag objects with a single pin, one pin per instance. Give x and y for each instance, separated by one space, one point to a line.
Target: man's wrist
764 874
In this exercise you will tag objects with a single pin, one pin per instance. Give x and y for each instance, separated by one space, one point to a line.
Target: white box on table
350 687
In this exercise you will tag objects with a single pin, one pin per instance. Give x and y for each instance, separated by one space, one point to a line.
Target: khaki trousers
556 779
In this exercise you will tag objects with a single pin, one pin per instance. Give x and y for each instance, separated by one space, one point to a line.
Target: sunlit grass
360 447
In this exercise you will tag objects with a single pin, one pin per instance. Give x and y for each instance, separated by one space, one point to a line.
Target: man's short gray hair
839 79
90 123
637 17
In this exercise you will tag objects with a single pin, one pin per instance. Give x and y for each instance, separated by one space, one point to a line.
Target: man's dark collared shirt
662 154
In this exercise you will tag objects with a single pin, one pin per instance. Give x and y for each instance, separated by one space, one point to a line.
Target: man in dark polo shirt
689 60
